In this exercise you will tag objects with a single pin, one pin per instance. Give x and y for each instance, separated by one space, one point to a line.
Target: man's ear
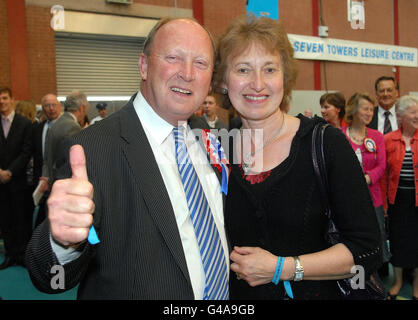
143 66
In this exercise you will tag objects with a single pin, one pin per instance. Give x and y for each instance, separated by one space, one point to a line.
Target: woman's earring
224 90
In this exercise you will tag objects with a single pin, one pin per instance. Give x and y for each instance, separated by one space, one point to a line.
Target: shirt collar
72 115
391 110
156 126
10 116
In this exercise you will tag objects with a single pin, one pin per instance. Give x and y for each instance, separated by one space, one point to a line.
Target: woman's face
254 80
364 112
409 117
330 112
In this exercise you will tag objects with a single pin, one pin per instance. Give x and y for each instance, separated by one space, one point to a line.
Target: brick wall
218 14
4 47
41 48
408 36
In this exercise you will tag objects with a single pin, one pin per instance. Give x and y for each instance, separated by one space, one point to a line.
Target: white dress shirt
381 119
45 129
10 119
159 134
96 119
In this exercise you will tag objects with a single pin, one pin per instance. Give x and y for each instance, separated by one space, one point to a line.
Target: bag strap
318 159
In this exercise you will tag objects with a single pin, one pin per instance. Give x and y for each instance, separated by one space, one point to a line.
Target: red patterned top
255 178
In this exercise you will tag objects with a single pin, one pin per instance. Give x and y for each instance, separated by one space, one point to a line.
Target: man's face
209 106
386 94
103 113
51 107
177 73
6 103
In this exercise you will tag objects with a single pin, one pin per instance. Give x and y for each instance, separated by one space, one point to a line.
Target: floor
15 284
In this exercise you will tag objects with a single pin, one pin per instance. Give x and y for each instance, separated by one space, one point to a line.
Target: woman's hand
254 265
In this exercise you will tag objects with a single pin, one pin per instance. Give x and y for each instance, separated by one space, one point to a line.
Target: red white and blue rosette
217 157
370 145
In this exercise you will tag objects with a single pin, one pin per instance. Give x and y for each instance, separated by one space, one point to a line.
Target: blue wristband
277 275
279 268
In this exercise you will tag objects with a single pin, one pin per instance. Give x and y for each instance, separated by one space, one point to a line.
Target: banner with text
315 48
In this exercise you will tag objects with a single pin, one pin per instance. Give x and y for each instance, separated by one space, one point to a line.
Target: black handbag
374 288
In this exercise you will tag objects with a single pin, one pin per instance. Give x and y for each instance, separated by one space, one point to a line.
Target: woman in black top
273 208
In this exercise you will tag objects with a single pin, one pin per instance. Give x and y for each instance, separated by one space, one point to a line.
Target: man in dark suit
15 145
211 107
384 120
384 117
67 125
52 109
124 170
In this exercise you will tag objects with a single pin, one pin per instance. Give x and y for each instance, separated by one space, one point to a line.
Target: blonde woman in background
369 146
26 108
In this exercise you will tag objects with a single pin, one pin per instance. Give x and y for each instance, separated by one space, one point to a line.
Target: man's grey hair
74 101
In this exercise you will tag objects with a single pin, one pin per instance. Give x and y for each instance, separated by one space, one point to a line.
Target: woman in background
333 109
369 146
26 108
400 186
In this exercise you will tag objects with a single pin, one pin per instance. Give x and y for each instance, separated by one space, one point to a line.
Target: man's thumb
78 162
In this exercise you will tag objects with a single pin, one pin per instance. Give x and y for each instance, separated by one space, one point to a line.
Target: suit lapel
374 123
13 127
141 159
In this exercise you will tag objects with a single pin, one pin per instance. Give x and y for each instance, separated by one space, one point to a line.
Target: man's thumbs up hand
70 204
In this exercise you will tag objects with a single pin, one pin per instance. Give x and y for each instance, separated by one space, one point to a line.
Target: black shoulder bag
374 288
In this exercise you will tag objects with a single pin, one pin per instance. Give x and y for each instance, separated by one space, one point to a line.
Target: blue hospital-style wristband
277 275
278 272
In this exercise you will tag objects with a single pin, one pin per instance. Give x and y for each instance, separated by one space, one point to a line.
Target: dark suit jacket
15 151
37 129
140 255
373 123
65 126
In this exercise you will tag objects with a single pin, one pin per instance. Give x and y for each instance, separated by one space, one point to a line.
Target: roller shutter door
97 65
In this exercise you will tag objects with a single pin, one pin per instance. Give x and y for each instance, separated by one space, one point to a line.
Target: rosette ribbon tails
217 158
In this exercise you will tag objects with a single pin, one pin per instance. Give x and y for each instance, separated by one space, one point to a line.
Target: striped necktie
387 127
211 250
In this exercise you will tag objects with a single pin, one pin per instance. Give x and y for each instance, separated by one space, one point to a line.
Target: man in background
211 107
15 147
75 107
308 113
102 109
52 110
384 117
